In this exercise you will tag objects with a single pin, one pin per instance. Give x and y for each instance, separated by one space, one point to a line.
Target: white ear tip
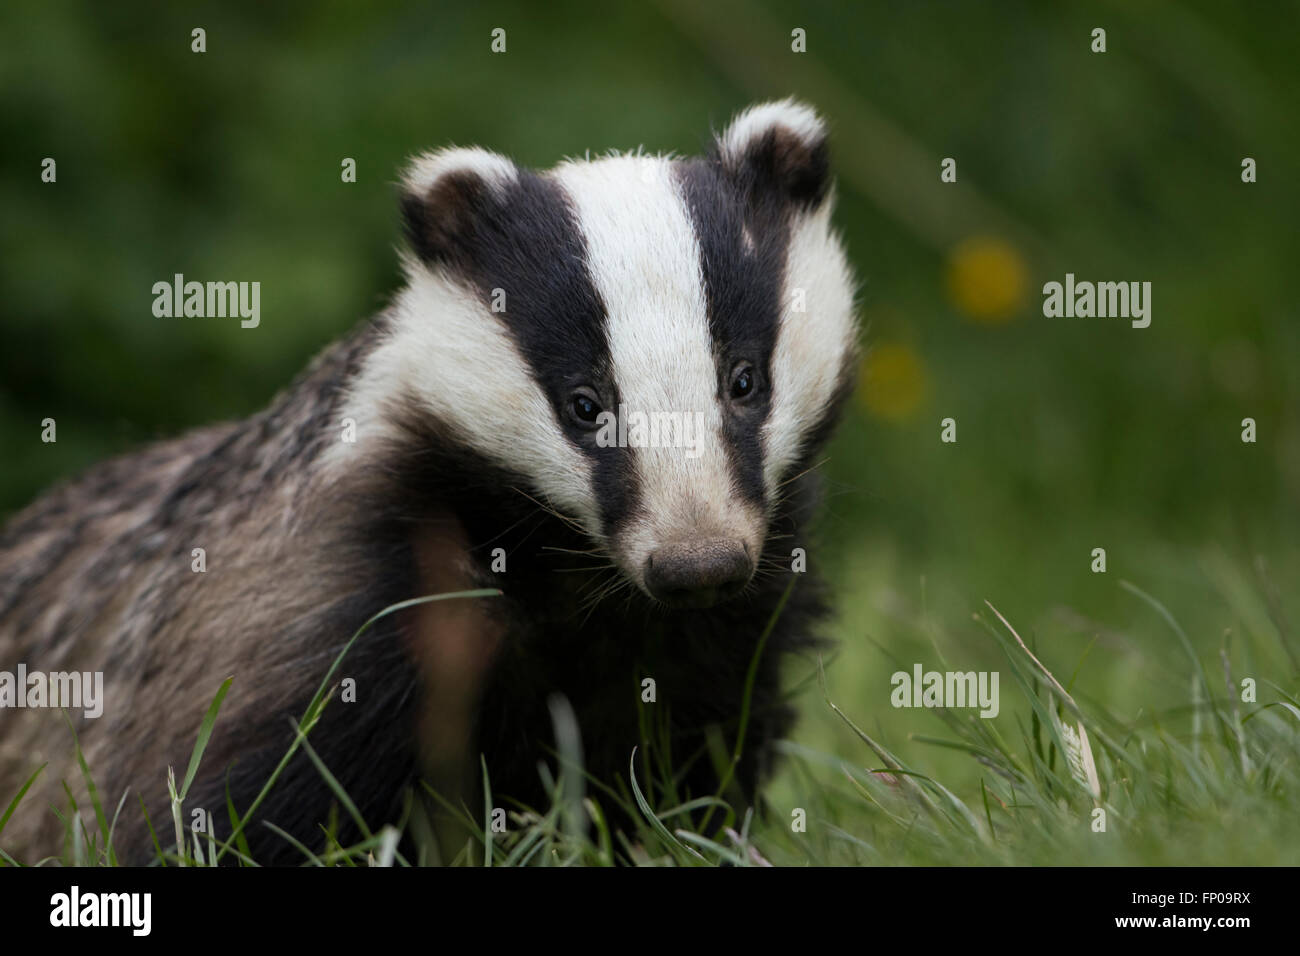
426 169
751 124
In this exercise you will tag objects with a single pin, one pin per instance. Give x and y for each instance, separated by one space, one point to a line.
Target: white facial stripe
811 346
446 348
645 262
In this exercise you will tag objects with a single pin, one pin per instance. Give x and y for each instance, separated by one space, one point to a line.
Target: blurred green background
1073 434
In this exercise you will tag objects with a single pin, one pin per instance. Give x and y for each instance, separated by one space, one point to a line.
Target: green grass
1209 779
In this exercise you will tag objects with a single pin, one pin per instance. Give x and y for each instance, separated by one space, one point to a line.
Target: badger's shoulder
156 504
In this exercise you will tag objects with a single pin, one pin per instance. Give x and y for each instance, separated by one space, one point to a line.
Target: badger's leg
453 644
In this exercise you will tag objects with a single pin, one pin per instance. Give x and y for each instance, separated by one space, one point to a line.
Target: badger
457 441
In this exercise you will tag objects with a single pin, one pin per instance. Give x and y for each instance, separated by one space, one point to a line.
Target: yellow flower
987 279
893 382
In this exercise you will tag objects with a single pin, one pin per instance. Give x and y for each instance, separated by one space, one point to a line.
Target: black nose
698 573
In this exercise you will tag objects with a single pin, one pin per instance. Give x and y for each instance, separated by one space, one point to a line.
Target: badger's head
655 344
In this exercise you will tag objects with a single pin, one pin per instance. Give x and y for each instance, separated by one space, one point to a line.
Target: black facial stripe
743 285
527 244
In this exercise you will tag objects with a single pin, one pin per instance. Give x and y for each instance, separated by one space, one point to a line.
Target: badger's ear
778 147
445 194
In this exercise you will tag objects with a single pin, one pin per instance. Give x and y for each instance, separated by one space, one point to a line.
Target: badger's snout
698 573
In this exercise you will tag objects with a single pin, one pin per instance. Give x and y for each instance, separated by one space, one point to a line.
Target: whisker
802 473
601 594
587 553
550 510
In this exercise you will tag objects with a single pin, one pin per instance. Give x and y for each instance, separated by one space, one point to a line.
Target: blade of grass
205 733
91 789
653 820
13 804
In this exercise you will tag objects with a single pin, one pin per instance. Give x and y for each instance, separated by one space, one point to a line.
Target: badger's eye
584 407
743 381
